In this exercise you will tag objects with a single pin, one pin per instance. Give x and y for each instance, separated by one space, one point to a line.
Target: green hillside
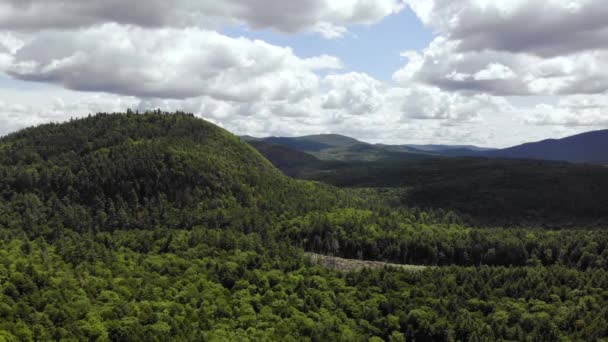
164 227
136 171
291 162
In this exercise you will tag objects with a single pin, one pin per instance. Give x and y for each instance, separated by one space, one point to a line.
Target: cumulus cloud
571 111
494 71
325 16
546 28
517 47
9 44
354 93
443 64
430 103
168 63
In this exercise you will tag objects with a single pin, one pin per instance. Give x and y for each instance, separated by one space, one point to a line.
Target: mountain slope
586 147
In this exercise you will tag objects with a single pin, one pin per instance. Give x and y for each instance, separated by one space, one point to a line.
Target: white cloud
9 44
20 109
516 47
326 16
443 64
545 28
424 102
330 31
353 93
494 71
168 63
571 111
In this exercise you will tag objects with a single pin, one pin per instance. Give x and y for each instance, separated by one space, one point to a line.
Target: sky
488 73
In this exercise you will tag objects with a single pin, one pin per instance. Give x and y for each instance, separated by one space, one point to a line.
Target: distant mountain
335 147
308 143
447 148
369 152
333 140
590 147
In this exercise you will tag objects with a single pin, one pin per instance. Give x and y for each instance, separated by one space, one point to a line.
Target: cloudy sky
492 73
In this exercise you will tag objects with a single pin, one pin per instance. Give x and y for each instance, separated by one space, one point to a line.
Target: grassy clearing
349 265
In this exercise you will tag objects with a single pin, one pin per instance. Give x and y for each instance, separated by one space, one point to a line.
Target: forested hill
137 171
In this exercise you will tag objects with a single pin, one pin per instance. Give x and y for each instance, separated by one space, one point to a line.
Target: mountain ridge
588 147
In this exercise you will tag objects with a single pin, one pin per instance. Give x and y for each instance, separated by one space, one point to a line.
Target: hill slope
136 171
292 162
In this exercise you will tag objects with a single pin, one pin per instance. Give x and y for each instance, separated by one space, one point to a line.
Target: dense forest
486 191
161 226
498 191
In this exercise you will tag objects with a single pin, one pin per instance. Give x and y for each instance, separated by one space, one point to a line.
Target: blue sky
374 49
